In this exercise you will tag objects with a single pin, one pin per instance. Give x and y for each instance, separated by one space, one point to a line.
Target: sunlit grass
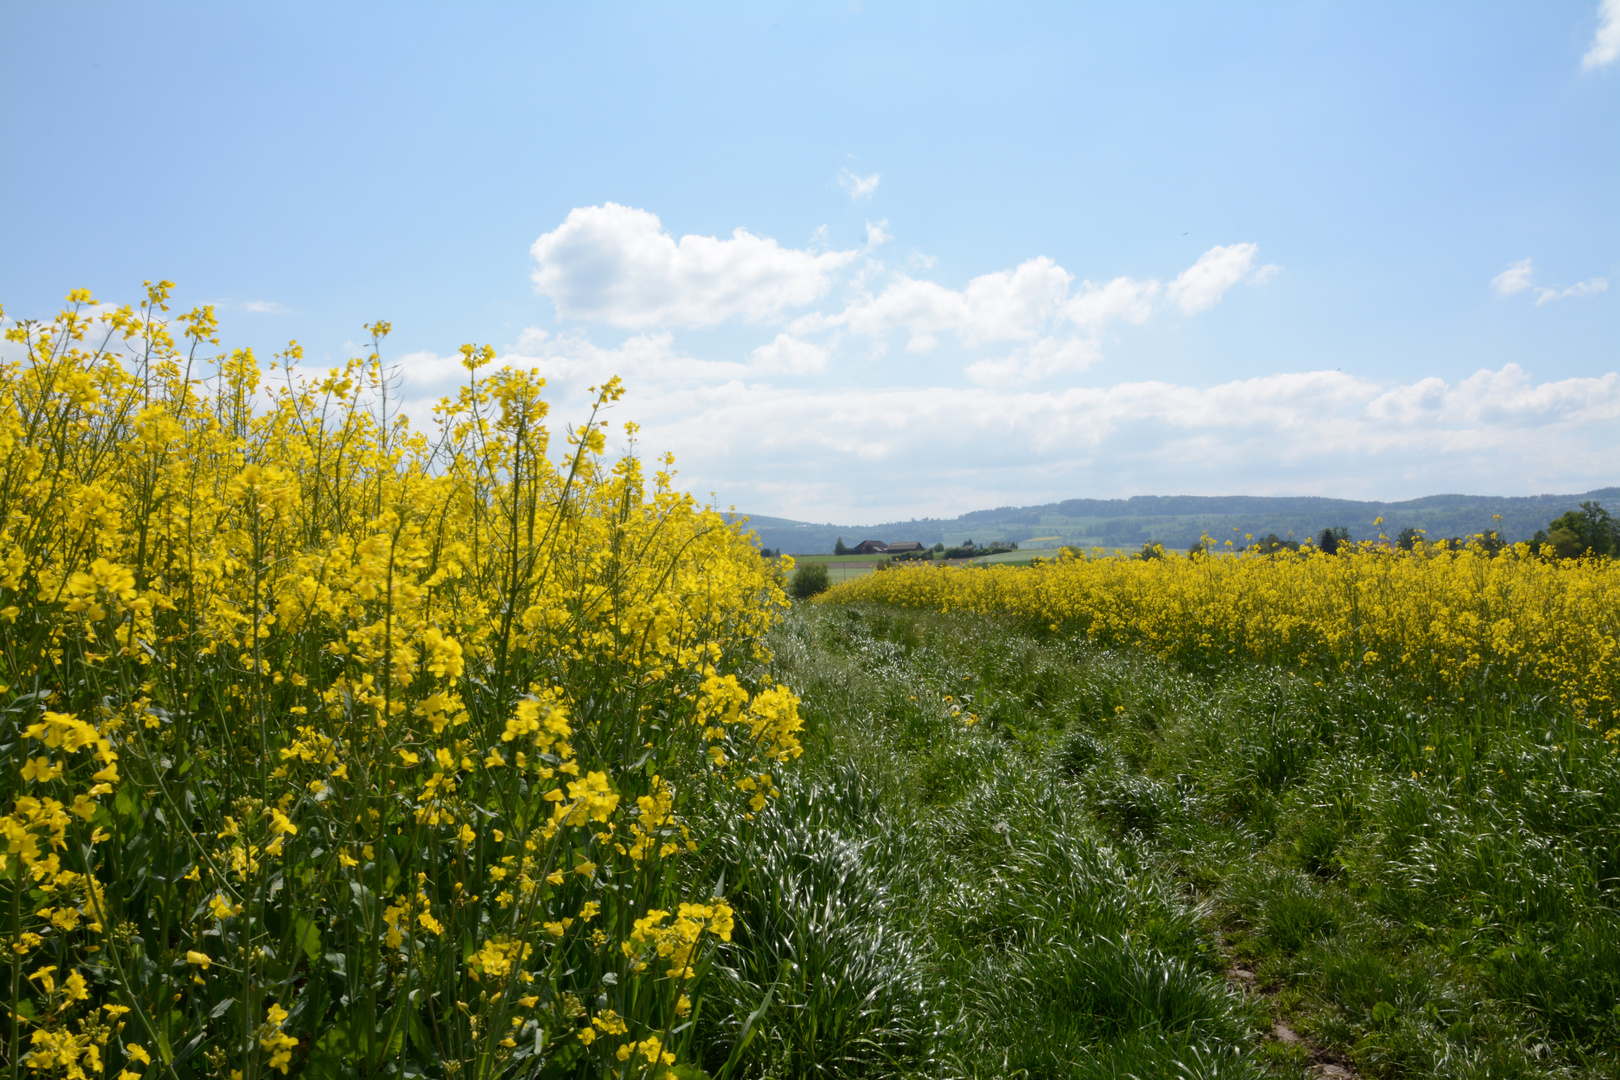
1074 846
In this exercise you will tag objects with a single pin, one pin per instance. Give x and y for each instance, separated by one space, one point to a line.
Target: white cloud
569 362
1201 286
572 361
1123 299
858 187
1019 304
426 375
1509 398
1030 303
617 265
1520 276
1515 279
772 449
254 307
1580 288
827 451
789 355
1411 402
1041 360
1606 42
1007 305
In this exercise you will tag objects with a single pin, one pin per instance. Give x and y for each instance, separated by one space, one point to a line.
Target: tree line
1588 531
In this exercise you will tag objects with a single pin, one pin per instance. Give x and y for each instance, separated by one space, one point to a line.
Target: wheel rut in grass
1322 1064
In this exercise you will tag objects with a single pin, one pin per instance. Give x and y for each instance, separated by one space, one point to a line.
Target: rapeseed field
1458 619
340 747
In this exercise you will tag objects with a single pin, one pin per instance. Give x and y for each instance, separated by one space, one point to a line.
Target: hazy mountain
1177 521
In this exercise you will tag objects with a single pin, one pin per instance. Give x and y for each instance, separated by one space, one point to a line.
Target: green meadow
1008 853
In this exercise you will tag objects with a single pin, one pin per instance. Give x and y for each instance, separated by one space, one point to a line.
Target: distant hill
1177 521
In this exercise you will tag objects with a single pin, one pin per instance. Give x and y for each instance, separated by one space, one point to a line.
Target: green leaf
330 1058
307 935
421 1037
748 1032
165 1046
390 867
128 803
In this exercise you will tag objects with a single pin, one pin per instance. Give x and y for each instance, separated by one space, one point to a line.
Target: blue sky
989 254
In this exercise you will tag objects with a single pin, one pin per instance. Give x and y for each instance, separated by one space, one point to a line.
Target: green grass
1067 887
841 558
843 567
1015 558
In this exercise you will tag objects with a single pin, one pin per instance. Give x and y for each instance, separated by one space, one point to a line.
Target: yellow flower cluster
1459 618
675 941
321 718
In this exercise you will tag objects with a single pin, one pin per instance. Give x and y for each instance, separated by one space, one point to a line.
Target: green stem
16 970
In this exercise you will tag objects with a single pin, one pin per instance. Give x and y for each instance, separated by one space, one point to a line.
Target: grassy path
1124 869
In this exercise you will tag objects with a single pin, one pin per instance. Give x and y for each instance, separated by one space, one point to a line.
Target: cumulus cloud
1020 304
1515 279
772 449
1520 276
1606 42
790 355
1201 286
1122 300
1509 398
858 187
824 450
1032 304
1040 360
569 362
1003 306
777 418
617 265
649 363
1411 402
572 361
